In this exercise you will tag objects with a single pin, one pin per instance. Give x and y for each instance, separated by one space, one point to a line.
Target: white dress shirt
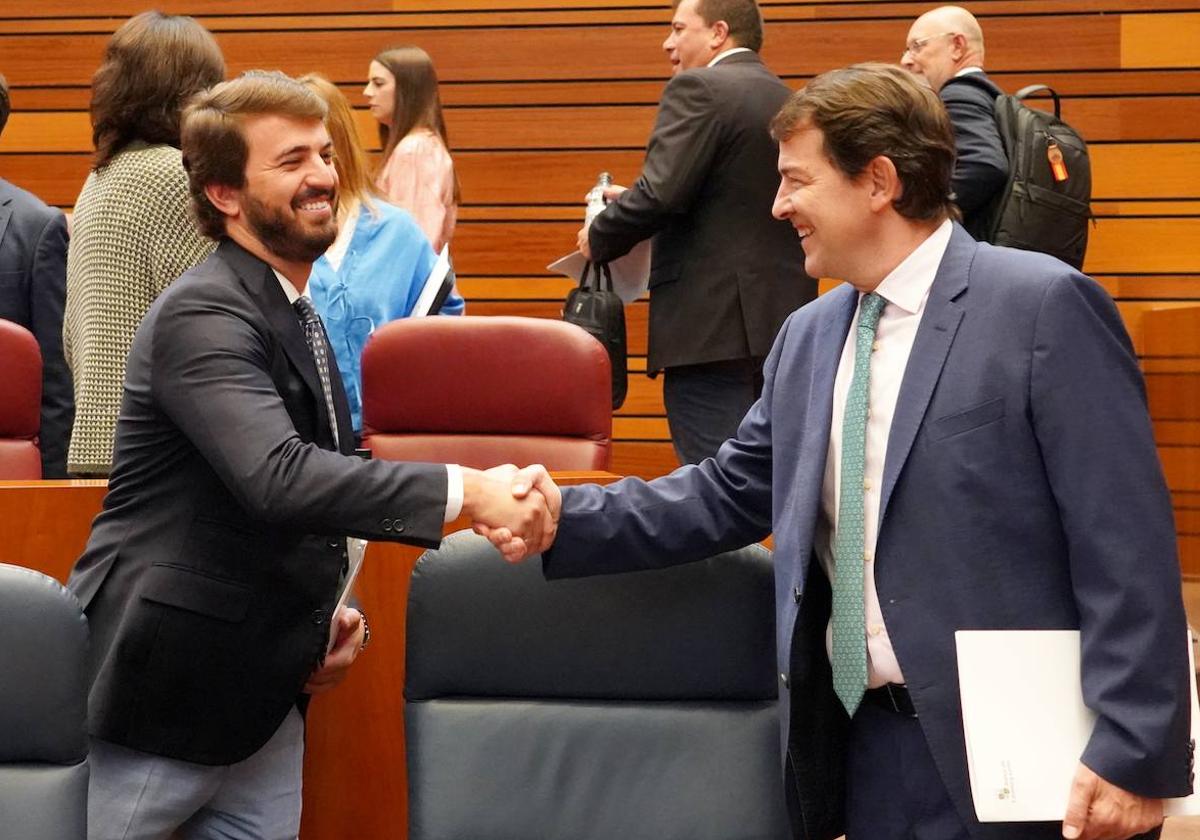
728 52
906 289
454 475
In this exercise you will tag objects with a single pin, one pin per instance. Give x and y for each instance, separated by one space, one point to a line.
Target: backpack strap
977 80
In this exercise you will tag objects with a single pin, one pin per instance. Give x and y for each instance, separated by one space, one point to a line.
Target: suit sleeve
211 379
981 167
1090 416
679 156
47 292
695 512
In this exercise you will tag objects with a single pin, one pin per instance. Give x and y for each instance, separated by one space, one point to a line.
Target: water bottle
595 198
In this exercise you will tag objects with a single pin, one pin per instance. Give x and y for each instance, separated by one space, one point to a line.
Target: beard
287 237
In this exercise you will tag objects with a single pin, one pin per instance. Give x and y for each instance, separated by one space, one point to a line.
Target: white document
356 549
630 273
437 286
1025 722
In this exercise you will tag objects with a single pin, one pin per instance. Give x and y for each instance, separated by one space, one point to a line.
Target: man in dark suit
724 274
211 574
33 278
956 438
945 46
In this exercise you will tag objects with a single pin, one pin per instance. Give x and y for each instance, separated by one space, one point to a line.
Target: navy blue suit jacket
33 279
1022 490
981 165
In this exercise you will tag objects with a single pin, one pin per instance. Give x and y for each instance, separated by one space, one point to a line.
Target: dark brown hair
213 142
872 110
743 17
5 103
151 67
415 100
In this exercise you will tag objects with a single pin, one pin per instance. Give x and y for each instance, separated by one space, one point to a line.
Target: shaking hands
517 510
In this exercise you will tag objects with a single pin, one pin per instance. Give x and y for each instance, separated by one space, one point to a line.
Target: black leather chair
43 707
628 707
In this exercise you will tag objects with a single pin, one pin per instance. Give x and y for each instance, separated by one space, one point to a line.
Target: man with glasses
945 46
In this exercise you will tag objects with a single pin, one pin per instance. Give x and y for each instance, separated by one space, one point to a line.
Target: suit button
398 526
797 594
784 679
387 524
318 617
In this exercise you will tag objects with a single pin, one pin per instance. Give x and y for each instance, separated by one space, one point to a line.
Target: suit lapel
930 348
263 286
5 214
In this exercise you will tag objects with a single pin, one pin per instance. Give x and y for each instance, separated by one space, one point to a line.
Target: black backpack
1045 206
598 309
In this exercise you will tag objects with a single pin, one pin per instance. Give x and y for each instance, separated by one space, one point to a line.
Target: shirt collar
289 289
967 70
908 284
727 53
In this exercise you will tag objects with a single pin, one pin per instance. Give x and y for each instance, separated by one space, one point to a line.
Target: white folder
1025 722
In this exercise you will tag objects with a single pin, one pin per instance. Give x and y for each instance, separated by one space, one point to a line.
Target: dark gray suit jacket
1021 490
211 572
33 278
724 273
981 168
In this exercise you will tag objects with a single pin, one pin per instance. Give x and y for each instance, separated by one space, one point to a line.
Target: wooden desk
355 779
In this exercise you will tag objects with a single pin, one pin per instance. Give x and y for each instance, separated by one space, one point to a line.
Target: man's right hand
503 507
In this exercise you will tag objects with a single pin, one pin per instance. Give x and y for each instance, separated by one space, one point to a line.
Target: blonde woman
374 271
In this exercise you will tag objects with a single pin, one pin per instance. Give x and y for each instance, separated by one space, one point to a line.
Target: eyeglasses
917 44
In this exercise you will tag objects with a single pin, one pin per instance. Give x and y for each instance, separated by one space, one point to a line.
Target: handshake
517 510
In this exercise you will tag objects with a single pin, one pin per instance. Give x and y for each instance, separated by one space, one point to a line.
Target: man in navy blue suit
955 438
33 279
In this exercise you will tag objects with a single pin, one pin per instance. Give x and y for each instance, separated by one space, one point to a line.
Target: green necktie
849 613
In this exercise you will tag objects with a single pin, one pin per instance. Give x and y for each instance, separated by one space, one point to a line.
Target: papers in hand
1025 722
630 273
437 286
356 549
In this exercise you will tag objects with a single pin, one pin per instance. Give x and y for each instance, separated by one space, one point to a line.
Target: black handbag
597 309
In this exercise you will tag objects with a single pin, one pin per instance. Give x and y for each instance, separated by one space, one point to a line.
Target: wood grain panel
643 459
1175 333
1168 246
1160 40
1146 170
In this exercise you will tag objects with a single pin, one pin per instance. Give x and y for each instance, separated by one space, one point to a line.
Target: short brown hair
871 110
151 67
214 144
743 17
5 103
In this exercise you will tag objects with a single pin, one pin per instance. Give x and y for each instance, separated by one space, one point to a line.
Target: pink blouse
419 176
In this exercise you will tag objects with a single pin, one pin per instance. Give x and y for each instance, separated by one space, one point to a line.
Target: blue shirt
379 280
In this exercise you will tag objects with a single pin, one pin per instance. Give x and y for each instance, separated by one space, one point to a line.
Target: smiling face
381 93
830 211
692 42
287 202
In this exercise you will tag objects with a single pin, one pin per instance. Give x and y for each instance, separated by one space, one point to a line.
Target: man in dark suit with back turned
945 46
955 438
211 574
33 277
724 274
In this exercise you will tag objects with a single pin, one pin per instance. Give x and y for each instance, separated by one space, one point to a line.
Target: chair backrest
640 706
43 709
20 403
482 391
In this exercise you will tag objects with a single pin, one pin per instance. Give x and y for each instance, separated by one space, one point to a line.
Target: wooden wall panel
569 87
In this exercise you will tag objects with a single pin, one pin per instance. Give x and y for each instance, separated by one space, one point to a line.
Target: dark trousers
706 403
894 791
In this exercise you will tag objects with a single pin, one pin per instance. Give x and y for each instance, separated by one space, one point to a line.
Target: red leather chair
483 391
20 402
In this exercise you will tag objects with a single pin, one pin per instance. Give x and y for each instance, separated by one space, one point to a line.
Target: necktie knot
306 311
870 308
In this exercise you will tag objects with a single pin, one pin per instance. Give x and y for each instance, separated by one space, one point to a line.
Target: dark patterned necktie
314 334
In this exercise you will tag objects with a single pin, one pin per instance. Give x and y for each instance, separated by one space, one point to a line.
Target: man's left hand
581 242
345 650
1099 810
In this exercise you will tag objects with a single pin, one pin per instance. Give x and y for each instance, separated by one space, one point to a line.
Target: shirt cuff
454 492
